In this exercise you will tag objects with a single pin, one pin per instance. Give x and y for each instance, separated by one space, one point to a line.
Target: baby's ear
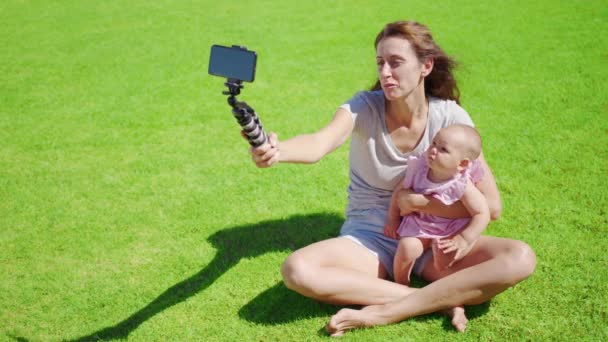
464 164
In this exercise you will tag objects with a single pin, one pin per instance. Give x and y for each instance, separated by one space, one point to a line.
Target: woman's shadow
234 244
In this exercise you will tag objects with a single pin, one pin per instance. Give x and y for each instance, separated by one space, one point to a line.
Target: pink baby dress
428 226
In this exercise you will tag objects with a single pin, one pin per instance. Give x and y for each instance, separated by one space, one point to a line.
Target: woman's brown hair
440 82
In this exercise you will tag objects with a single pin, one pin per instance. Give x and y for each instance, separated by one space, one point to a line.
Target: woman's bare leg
492 266
340 271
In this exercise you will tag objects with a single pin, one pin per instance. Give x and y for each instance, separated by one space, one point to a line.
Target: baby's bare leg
408 250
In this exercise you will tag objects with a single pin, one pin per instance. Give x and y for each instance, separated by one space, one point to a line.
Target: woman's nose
384 70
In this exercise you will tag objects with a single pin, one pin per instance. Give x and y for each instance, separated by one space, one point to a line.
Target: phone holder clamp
244 114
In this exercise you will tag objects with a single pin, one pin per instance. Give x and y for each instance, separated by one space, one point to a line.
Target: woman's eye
396 63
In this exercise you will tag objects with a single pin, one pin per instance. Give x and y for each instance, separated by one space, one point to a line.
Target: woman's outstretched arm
305 148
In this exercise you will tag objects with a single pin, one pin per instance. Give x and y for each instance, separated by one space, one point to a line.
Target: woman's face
399 70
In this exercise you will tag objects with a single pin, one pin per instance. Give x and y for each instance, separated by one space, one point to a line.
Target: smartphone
233 62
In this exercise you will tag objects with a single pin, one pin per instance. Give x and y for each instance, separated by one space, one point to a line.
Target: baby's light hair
469 138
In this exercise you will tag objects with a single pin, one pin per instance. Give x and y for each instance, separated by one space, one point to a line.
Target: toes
460 324
333 330
337 334
461 327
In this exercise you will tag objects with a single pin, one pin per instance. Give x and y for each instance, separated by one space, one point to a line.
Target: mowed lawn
129 207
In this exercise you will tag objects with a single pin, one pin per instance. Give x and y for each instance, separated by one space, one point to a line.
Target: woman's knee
519 261
295 271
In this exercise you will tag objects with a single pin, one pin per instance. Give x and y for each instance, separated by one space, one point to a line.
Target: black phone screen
232 62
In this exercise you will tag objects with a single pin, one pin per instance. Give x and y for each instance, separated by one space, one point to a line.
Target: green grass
129 207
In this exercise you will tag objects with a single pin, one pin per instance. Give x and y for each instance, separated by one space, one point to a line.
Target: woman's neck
406 110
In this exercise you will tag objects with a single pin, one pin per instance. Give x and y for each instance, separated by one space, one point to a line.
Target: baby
447 171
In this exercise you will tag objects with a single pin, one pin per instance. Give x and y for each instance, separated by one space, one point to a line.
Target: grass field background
129 207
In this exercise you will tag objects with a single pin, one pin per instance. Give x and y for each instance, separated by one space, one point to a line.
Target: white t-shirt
376 165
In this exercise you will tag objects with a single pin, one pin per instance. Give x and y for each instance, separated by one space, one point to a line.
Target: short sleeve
444 113
356 105
457 115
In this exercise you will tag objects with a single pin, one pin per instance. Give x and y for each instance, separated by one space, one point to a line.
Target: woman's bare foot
348 319
459 319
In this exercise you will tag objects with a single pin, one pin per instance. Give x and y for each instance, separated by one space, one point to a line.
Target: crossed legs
492 266
340 271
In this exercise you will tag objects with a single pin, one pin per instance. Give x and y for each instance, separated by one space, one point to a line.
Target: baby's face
446 152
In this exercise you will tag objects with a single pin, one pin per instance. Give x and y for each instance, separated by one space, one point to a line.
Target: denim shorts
365 227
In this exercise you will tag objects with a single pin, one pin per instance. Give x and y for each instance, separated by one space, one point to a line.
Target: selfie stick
244 114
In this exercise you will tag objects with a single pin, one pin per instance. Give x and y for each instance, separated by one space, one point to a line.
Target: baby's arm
476 204
393 217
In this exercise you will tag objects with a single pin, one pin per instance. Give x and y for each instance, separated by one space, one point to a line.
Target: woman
415 96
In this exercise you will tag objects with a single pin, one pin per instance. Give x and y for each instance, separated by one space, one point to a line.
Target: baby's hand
456 244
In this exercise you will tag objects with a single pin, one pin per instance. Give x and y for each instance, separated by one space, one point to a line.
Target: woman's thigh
339 252
515 258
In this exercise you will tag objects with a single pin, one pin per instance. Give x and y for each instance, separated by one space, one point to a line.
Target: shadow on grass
279 305
234 244
276 305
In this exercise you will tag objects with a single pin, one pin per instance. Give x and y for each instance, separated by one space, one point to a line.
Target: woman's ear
427 66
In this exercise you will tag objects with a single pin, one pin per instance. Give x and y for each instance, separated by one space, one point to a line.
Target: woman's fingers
263 156
270 158
273 139
266 154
